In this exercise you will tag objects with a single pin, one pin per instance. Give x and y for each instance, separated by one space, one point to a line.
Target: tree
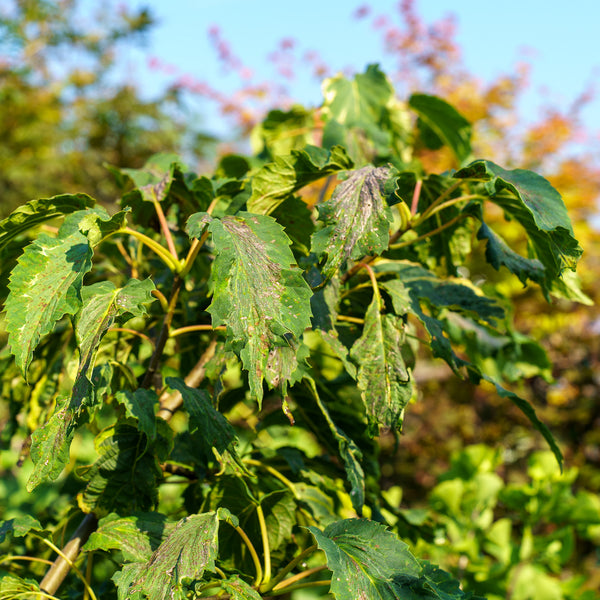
65 110
250 348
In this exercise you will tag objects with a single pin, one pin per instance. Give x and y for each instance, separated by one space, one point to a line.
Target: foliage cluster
234 350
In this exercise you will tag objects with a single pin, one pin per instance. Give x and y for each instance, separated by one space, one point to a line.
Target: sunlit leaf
44 286
258 293
12 586
189 550
289 173
368 561
357 220
238 589
19 527
136 536
383 377
36 212
95 223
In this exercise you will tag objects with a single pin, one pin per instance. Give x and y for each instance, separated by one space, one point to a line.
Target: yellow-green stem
298 577
292 565
71 565
253 554
265 540
192 328
163 254
275 473
429 233
351 319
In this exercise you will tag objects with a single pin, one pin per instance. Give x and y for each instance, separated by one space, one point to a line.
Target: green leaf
238 589
44 286
277 180
13 586
95 223
126 474
440 123
153 173
531 200
296 219
258 293
36 212
357 220
281 132
51 443
139 405
370 562
383 377
364 116
136 536
207 426
19 527
349 452
189 550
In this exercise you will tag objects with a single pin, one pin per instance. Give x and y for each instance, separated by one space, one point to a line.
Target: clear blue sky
564 36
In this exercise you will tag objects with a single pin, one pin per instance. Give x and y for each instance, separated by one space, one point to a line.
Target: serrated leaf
382 376
189 550
19 526
238 589
36 212
125 577
357 220
363 115
44 286
207 426
277 180
440 123
154 171
371 563
258 293
137 536
95 223
125 476
139 405
538 207
12 586
296 219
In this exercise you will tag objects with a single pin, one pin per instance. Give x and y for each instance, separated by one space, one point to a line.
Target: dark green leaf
357 220
136 536
189 550
383 378
125 476
538 207
296 219
258 293
208 427
44 286
440 123
36 212
349 452
370 562
20 526
140 406
287 174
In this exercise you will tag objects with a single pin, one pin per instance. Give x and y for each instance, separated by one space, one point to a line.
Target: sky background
560 40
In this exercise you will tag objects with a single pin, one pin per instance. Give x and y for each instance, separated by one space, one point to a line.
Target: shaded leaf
126 474
140 405
538 207
36 212
440 123
357 220
258 293
44 286
19 527
207 426
296 219
277 180
349 452
382 377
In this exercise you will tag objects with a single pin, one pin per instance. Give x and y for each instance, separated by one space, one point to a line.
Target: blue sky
563 36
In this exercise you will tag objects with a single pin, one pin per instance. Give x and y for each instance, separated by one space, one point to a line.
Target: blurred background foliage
64 114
